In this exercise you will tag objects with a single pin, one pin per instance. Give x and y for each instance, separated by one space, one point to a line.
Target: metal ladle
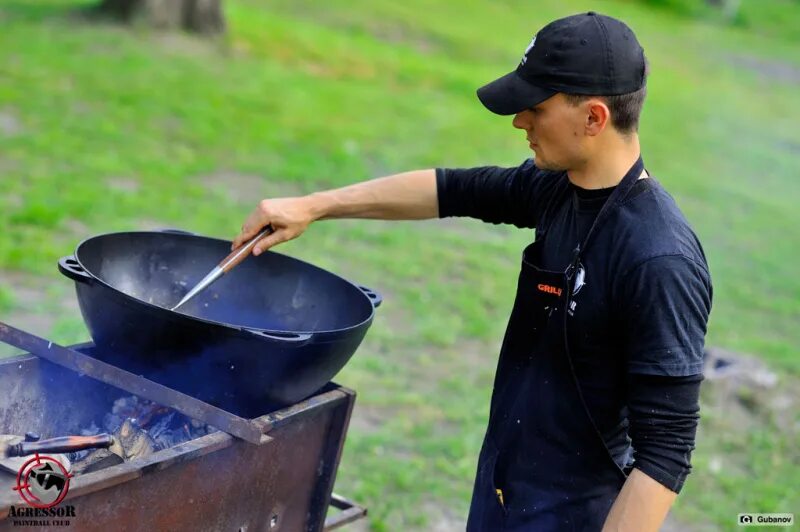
225 265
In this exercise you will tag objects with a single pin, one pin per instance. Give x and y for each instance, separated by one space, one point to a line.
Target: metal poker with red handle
225 266
63 444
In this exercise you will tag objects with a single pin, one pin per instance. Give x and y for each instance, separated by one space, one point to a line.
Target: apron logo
548 289
580 279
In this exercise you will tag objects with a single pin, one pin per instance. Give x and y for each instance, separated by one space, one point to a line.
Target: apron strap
616 198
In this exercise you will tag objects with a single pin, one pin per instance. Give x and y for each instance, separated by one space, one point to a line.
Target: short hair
625 108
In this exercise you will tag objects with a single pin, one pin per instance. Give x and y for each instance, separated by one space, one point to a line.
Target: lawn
107 128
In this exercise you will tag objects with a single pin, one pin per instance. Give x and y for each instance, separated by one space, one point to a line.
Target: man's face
555 132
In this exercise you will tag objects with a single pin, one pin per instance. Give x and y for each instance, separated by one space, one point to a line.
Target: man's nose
519 121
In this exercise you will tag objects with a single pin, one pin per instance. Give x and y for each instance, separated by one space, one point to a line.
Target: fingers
257 220
246 234
287 216
278 237
241 238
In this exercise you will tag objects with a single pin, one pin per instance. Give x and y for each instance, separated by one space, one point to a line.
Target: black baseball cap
588 54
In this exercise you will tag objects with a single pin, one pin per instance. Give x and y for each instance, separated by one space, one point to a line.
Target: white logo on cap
528 49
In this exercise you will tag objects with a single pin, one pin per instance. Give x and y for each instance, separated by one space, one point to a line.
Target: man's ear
598 116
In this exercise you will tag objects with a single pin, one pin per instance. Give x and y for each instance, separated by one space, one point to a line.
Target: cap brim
511 94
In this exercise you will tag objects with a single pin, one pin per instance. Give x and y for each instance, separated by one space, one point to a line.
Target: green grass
108 128
6 299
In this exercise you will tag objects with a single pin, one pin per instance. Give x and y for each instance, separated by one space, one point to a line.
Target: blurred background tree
770 18
202 16
729 7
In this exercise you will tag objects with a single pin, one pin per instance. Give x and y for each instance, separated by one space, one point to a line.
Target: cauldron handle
70 267
374 296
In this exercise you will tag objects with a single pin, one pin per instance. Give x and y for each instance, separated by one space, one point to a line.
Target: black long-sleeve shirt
640 363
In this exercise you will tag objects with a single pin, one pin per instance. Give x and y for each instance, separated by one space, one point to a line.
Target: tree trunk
203 16
730 8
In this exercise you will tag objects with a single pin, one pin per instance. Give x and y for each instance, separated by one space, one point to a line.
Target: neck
609 165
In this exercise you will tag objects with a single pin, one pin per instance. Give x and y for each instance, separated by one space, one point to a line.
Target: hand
289 217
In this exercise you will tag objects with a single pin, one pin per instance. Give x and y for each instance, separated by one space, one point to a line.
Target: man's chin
540 162
544 164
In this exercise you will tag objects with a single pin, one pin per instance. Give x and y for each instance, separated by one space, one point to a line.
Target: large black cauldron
271 332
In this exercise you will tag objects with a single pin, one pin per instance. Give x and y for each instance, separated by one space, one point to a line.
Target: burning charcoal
161 432
132 442
169 438
152 413
161 426
141 427
181 429
97 459
202 431
198 428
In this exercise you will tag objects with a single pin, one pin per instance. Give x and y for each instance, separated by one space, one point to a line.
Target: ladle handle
238 255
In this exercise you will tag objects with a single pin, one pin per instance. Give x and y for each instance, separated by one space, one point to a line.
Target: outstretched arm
406 196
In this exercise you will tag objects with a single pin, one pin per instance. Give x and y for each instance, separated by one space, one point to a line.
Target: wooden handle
65 444
238 255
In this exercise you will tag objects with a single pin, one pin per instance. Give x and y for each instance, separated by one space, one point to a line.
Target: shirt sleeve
665 306
496 195
663 414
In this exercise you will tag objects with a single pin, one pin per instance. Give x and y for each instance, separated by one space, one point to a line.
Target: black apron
551 470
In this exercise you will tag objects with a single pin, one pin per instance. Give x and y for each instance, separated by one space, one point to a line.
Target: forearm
641 505
406 196
663 413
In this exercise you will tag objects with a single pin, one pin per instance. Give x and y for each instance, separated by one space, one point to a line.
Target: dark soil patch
10 124
367 419
123 184
35 309
769 69
248 188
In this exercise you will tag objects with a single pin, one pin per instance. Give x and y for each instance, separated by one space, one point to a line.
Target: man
595 400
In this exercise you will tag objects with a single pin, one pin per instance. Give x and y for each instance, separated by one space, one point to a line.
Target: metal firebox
214 482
